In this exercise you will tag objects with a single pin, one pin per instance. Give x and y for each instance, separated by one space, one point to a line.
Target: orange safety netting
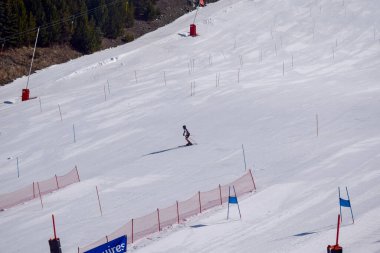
38 188
154 222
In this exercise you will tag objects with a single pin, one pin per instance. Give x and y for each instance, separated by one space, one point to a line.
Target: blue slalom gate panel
344 202
232 200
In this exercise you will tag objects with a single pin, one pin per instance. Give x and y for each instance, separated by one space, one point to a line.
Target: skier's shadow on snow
165 150
305 233
216 223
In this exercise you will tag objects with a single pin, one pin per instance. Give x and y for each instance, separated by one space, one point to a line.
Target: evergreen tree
64 21
85 39
2 20
100 12
30 36
117 13
65 27
22 24
49 34
145 9
10 23
130 19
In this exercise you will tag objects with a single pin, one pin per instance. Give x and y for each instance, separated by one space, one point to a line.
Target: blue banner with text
117 245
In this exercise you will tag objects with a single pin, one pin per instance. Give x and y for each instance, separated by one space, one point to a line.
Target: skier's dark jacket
186 133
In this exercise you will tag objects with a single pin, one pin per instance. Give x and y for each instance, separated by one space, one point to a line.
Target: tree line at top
82 23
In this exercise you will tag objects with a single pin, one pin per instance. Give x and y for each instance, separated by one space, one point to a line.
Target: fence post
132 230
220 194
200 204
18 169
56 180
107 238
77 173
177 213
159 222
34 192
253 181
39 191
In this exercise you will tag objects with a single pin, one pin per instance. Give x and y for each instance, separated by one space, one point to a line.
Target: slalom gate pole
228 208
317 123
75 139
60 112
100 206
237 202
337 231
349 200
340 207
55 233
55 244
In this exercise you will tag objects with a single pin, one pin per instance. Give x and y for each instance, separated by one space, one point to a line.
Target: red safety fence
139 228
38 188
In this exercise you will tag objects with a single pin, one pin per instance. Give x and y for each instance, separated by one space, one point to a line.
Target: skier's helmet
184 127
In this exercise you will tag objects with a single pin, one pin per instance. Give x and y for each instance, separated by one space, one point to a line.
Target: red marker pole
336 248
337 231
55 233
55 244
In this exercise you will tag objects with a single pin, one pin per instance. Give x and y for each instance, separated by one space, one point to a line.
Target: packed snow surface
296 82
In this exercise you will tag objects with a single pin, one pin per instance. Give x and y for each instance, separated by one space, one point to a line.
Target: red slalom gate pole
55 244
337 231
55 233
336 248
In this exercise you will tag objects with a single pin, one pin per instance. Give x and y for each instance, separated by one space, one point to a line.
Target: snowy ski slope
264 71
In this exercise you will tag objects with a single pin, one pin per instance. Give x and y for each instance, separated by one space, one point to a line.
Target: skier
186 133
